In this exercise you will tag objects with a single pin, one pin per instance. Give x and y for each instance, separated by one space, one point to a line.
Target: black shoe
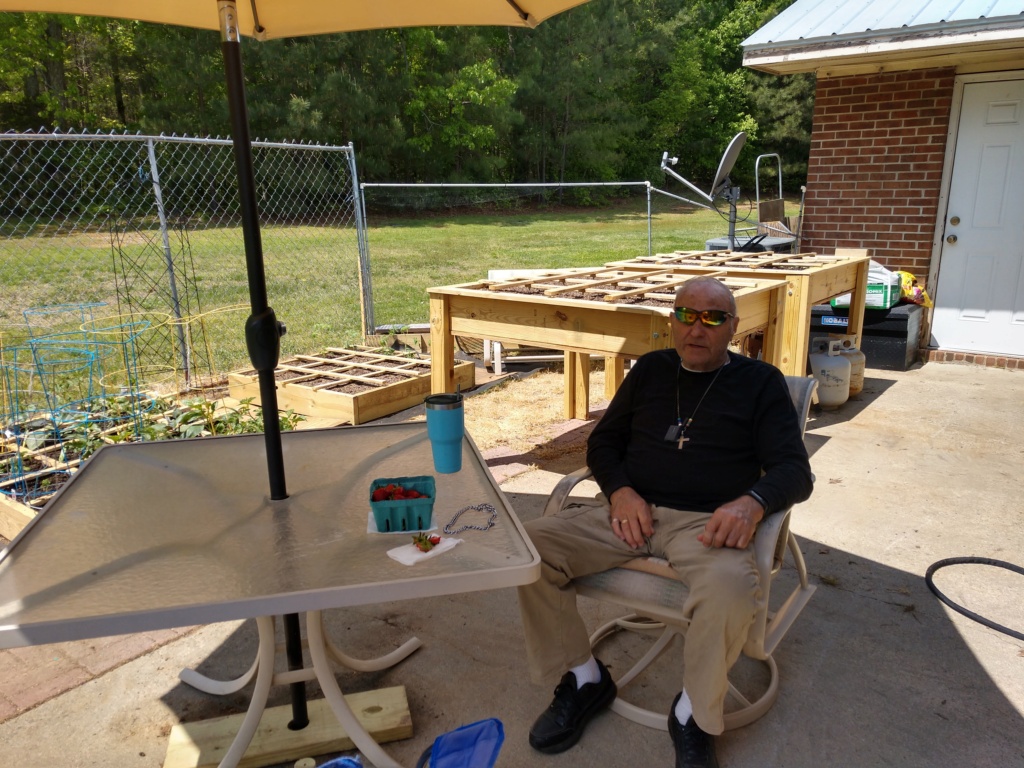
694 748
562 723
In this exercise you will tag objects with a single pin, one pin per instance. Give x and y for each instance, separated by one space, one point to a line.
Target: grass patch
410 255
313 272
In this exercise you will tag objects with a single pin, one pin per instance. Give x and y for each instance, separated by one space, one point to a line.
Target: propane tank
832 371
857 361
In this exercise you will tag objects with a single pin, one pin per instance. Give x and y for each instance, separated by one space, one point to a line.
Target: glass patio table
157 535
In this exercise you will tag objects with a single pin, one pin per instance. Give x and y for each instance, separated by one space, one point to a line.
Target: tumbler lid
443 402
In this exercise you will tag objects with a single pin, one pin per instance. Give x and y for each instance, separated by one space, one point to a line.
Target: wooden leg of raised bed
614 371
855 324
774 349
442 346
577 385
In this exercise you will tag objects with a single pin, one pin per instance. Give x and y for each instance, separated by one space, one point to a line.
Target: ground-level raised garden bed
351 384
30 476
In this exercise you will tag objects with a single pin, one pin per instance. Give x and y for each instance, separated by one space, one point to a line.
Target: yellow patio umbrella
267 20
271 19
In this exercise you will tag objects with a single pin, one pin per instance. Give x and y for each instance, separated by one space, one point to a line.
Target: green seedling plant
199 418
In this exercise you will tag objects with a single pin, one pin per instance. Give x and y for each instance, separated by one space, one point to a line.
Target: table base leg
367 665
218 687
325 675
320 649
258 703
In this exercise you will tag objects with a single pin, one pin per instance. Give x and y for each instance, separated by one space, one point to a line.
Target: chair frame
655 595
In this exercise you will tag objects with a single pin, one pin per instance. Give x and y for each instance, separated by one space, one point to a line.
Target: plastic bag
472 746
911 292
344 762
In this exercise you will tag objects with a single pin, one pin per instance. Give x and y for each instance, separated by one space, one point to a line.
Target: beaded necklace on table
485 507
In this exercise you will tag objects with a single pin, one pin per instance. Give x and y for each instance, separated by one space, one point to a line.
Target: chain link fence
148 229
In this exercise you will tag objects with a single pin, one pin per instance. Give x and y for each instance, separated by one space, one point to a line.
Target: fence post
169 258
649 245
365 280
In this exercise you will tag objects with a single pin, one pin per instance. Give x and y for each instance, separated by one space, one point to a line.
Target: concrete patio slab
925 465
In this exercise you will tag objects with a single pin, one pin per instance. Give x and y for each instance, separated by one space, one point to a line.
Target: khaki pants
723 595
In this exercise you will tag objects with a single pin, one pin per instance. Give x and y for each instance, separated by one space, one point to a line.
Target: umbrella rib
522 14
255 17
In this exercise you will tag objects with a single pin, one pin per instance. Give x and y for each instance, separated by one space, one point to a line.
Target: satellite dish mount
722 185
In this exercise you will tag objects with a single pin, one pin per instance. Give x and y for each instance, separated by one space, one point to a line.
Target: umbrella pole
262 331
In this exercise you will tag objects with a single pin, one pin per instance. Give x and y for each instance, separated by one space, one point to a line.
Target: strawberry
424 543
392 492
435 540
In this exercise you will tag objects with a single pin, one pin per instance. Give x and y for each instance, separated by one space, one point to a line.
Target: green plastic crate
404 514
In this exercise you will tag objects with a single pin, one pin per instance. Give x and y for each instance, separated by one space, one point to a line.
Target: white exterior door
979 296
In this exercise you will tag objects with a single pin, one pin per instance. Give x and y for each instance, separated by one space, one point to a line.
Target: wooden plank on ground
384 713
13 517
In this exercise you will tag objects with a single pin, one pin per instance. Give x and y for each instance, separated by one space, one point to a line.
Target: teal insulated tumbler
445 427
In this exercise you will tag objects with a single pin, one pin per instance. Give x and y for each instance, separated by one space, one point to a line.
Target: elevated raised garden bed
354 384
615 313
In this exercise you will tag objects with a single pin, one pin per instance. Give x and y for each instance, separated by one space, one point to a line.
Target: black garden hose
960 609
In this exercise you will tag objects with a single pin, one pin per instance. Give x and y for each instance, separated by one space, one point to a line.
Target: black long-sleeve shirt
746 424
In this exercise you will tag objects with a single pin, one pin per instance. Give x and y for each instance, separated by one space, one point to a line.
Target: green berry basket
404 514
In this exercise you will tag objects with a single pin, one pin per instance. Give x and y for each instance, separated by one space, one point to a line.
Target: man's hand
631 517
732 524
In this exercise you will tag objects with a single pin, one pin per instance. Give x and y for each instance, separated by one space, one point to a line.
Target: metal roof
807 21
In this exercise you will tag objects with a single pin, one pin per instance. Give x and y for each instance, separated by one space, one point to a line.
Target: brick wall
875 166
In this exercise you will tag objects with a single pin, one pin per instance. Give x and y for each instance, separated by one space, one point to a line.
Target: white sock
587 672
684 709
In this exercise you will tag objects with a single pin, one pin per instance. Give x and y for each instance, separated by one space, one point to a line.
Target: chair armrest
564 487
770 541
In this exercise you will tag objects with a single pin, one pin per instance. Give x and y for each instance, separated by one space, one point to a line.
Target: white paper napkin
410 554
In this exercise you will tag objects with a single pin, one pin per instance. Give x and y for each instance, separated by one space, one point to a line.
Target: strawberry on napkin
410 554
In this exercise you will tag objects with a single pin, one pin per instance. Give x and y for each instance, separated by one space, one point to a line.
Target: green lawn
409 256
313 272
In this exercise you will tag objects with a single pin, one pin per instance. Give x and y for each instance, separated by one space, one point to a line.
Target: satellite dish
721 184
732 152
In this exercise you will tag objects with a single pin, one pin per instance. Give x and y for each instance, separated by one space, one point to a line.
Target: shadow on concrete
874 672
852 408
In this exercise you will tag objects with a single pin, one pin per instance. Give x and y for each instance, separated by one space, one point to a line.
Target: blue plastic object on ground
472 746
343 762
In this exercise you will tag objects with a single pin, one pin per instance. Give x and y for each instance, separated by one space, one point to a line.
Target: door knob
951 239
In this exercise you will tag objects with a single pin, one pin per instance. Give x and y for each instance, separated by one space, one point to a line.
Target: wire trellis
68 201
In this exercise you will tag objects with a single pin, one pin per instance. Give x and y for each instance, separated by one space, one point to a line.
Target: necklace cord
689 421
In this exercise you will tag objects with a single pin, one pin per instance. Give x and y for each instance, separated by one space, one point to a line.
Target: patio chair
652 590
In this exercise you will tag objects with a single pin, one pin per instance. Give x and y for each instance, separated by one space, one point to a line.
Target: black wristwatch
759 499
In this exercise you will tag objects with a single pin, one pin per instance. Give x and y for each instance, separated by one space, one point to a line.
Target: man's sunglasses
708 317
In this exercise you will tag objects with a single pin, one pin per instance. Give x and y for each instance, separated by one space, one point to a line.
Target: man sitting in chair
695 448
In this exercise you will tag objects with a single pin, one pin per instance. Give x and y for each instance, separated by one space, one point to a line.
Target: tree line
594 94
